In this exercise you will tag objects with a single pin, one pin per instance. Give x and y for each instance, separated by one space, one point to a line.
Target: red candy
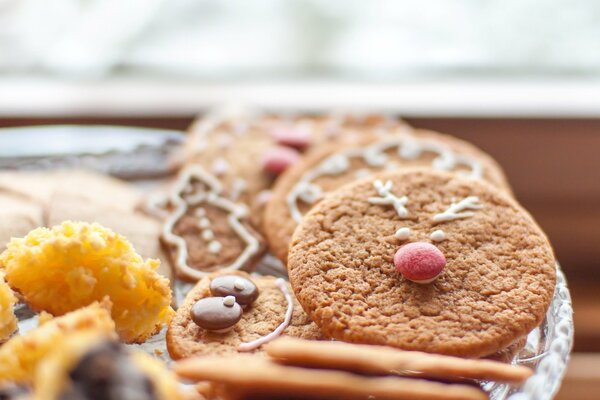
292 137
419 262
276 159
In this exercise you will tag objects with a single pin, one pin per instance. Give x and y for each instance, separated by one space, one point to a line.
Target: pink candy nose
419 262
277 159
292 137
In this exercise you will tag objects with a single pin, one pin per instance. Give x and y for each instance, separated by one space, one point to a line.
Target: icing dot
204 223
438 235
214 246
239 284
229 301
208 235
277 159
419 262
263 197
220 167
200 212
403 233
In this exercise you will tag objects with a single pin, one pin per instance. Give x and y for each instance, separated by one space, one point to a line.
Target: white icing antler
388 198
454 211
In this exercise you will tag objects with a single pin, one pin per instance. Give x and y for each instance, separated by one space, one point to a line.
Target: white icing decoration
438 235
237 188
208 234
263 196
388 198
239 284
403 233
362 173
220 167
182 201
228 301
407 147
255 344
455 210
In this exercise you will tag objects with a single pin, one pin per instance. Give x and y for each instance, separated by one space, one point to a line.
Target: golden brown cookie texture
381 360
185 338
252 377
330 167
205 232
496 286
232 144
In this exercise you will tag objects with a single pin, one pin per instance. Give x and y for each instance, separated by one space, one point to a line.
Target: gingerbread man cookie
423 260
204 231
327 169
246 149
233 312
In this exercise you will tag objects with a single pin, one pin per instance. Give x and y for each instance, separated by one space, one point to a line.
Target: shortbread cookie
205 232
329 168
18 216
8 320
257 377
422 260
380 360
246 149
73 264
249 323
141 230
91 366
20 356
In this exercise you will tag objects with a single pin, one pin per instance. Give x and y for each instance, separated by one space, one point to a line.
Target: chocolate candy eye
244 290
216 313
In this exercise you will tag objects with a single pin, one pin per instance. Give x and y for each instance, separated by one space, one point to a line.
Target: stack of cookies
314 257
396 241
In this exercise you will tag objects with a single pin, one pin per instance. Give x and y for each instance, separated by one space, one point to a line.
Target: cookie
273 312
246 149
329 168
205 232
380 360
141 230
18 216
8 320
88 365
255 377
20 356
422 260
73 264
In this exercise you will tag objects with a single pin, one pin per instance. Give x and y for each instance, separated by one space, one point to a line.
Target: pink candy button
292 137
419 262
276 159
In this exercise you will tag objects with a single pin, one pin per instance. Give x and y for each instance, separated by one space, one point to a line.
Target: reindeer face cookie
204 231
234 312
329 168
422 260
246 149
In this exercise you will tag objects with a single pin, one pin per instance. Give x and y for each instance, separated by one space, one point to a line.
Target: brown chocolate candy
244 290
216 313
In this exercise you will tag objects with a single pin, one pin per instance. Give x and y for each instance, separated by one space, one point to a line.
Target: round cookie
496 286
329 168
185 338
242 148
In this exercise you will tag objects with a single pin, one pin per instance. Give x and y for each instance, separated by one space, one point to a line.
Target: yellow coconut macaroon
87 363
20 355
8 320
73 264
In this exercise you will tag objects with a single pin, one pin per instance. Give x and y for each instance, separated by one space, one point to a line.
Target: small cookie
246 327
247 149
380 360
73 264
88 365
256 377
8 320
329 168
20 356
496 285
205 232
